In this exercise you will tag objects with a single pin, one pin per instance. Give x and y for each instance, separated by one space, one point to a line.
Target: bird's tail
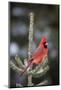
29 63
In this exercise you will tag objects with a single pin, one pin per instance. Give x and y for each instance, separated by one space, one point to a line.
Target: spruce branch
14 67
25 62
39 70
19 62
45 82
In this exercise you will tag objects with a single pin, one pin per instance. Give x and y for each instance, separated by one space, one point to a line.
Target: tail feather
30 62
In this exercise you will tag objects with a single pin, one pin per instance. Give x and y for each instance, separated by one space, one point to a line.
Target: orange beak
46 44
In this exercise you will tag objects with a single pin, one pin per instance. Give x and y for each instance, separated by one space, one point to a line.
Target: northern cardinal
39 54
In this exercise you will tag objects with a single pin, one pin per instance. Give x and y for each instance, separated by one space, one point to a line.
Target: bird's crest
44 39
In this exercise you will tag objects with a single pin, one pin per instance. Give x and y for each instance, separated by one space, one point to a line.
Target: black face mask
45 46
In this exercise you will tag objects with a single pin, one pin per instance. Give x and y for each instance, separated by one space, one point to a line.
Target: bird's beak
46 44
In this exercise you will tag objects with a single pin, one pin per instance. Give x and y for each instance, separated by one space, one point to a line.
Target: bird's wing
37 52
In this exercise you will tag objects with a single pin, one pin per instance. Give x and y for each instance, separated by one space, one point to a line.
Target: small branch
14 67
30 34
25 62
41 72
41 68
45 82
38 71
19 62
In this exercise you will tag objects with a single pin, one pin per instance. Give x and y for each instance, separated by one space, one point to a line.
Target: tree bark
30 44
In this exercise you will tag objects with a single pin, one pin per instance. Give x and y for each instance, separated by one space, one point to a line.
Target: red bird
39 54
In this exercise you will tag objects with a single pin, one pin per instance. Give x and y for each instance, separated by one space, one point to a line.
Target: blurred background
46 23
